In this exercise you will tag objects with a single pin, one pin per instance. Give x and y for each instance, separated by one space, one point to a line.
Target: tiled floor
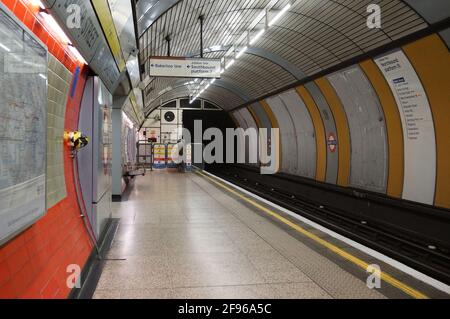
182 237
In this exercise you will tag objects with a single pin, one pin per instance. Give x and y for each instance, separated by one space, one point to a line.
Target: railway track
428 255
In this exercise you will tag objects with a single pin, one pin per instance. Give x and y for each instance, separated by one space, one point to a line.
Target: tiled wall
59 79
34 264
373 149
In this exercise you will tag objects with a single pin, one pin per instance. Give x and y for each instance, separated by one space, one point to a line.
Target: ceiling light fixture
77 54
257 37
241 52
4 47
229 64
55 27
250 42
279 15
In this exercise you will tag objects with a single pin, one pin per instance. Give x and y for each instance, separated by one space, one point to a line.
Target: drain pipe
83 213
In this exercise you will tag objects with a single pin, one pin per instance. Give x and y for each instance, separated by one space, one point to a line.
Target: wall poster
418 127
23 127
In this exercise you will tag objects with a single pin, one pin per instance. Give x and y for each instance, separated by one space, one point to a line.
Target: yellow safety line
355 260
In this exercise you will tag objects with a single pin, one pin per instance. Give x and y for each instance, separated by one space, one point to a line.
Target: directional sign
185 67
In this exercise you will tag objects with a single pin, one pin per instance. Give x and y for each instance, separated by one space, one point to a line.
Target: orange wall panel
20 10
9 3
236 123
343 131
272 118
255 117
321 147
274 123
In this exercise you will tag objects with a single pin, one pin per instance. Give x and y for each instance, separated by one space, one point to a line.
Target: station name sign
185 67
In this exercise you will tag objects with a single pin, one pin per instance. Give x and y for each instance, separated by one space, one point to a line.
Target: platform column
117 148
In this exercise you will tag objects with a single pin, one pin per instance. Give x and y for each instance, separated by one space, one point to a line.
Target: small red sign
332 142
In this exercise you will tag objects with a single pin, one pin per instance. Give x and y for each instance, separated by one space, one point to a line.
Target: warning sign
172 155
332 142
159 160
185 67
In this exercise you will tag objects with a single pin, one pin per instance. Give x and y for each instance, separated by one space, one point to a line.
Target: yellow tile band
342 253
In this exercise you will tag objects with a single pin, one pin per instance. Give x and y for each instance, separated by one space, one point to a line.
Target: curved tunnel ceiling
312 36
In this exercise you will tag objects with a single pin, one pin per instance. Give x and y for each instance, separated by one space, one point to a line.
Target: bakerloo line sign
185 67
259 142
254 146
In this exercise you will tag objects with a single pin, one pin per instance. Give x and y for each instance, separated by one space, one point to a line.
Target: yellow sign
139 113
104 15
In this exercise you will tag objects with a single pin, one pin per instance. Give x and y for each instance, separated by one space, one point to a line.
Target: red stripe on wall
33 264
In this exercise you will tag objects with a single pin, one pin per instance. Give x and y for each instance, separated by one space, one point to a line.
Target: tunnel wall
367 129
380 125
250 122
210 119
34 263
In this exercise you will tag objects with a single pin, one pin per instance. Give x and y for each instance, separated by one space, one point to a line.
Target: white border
369 251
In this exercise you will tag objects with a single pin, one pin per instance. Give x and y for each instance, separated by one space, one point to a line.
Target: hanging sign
185 67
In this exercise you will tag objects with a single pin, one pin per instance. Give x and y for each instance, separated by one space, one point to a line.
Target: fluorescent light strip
55 27
4 47
16 57
127 119
259 17
257 36
229 64
241 52
279 15
77 54
251 42
41 5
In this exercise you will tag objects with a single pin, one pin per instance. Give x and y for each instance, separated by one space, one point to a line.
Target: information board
159 153
23 126
185 67
87 37
188 157
418 128
172 155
